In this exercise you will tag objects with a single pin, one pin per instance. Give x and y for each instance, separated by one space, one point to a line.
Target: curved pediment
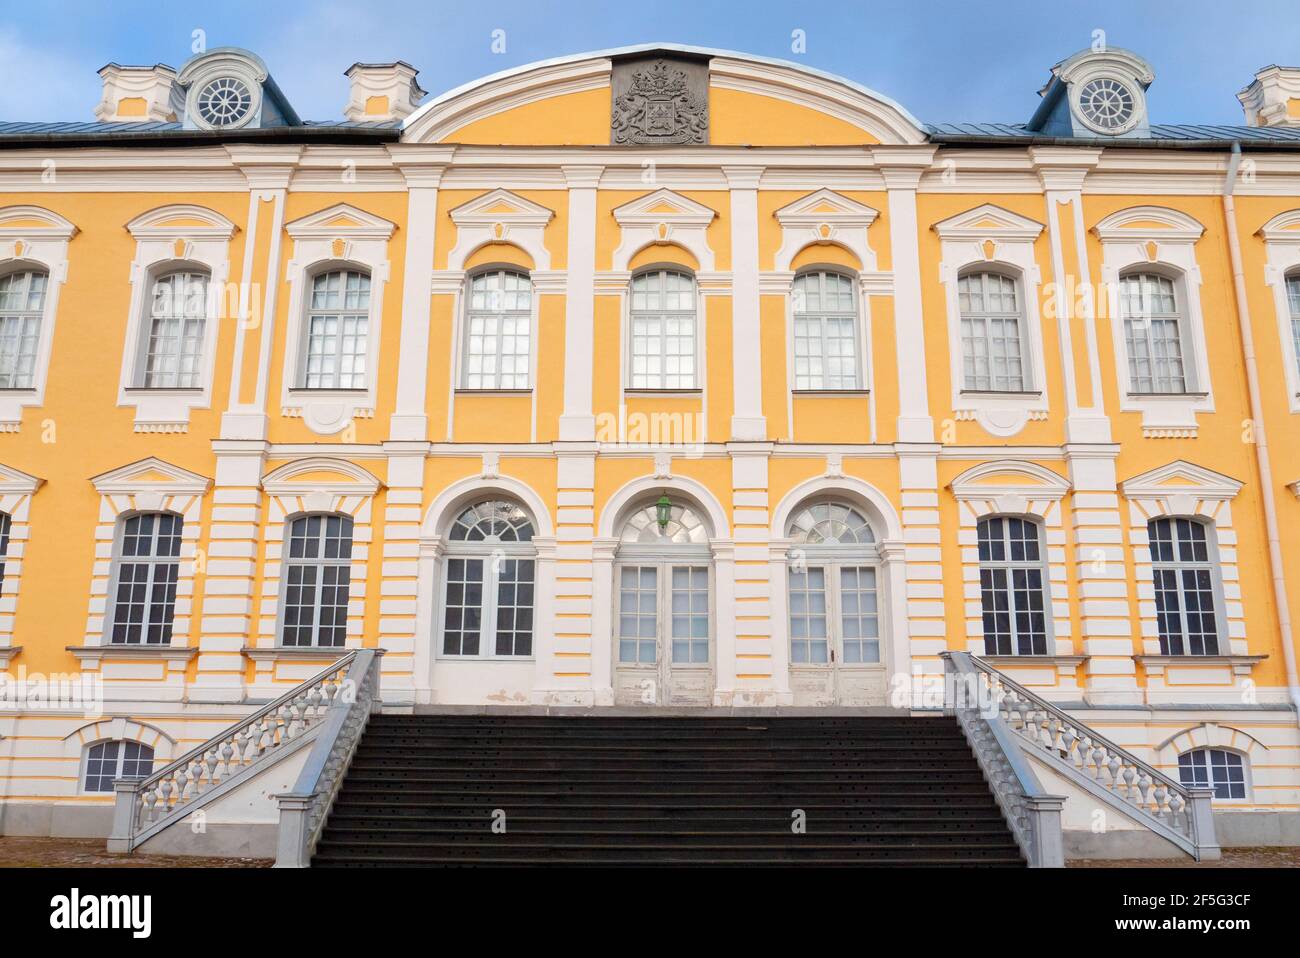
683 96
181 221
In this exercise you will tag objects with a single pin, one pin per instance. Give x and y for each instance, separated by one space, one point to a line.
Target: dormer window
1106 104
224 101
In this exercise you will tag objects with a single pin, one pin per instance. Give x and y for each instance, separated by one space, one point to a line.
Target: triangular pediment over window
663 205
988 222
1181 477
150 474
825 206
501 206
341 219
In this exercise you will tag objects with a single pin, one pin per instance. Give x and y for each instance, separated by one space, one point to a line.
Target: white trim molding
1184 489
1281 237
500 216
1008 487
662 218
30 234
172 238
16 491
990 236
1163 241
149 485
824 217
294 489
339 237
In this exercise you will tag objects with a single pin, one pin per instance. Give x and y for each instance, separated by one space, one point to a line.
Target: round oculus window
1107 105
225 101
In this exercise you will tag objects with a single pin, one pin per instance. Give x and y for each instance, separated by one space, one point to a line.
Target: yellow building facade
657 378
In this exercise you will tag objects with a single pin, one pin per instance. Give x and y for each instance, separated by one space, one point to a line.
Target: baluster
1161 796
1130 776
212 766
1114 766
1176 817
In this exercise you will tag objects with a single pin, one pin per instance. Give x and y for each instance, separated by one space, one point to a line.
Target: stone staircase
612 789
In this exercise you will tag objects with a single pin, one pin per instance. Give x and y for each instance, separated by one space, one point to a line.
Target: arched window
832 579
1154 334
22 304
825 332
1013 586
993 344
664 608
491 570
1186 580
173 347
1215 768
317 577
498 339
338 331
1293 301
146 567
662 353
108 761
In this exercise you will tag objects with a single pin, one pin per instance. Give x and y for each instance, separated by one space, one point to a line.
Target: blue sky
944 61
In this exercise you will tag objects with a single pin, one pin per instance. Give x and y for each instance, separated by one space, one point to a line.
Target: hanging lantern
663 511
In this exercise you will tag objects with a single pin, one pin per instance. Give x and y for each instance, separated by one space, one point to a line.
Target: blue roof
96 128
1162 134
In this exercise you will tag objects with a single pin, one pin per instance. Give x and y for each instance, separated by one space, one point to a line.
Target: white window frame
153 562
1009 565
463 335
20 318
83 780
1022 337
146 328
150 485
320 562
1246 783
487 552
310 312
697 332
1158 240
834 558
167 241
1179 316
340 237
1282 245
1210 564
989 238
858 338
664 557
32 238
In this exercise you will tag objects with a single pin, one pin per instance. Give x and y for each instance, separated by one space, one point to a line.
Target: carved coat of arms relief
660 103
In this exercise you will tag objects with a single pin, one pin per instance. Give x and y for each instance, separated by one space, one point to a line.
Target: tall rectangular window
825 332
663 331
1013 591
22 303
147 568
498 340
338 330
177 318
1153 334
318 577
1184 578
992 347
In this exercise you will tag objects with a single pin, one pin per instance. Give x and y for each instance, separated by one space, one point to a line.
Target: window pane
1185 584
338 327
318 577
22 305
1013 593
498 331
177 318
662 331
825 332
991 341
146 574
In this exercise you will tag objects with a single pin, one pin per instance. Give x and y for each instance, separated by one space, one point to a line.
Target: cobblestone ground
18 852
1232 858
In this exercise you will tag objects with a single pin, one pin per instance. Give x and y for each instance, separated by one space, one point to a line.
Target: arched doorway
664 636
836 605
